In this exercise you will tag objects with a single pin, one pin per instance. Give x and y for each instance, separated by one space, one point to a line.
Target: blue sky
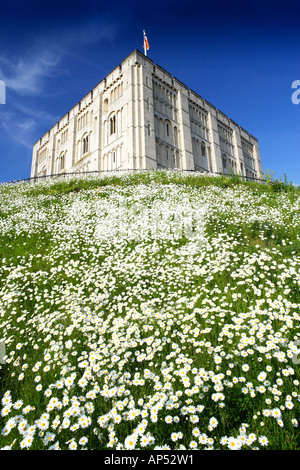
240 56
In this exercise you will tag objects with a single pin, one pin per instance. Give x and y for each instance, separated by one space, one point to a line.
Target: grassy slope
211 287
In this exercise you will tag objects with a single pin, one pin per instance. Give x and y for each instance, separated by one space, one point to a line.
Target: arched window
175 137
209 159
112 122
177 163
62 162
85 144
224 161
203 149
105 105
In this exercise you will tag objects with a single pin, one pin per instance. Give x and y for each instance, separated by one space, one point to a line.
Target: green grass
155 290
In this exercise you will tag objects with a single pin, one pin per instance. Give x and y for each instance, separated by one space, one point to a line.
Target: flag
146 43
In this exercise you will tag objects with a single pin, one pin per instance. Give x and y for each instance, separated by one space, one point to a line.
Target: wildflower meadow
149 311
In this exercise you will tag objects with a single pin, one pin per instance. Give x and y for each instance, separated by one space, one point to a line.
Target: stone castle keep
140 117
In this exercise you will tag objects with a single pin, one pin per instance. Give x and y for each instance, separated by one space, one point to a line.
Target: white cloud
25 75
19 128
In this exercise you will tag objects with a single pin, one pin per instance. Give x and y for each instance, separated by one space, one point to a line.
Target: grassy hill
150 310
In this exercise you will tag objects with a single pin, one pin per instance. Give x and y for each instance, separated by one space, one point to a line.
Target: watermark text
296 94
2 92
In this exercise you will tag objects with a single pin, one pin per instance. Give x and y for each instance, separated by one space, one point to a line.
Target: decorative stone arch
175 131
161 129
44 171
148 128
62 161
85 143
203 150
168 127
156 125
224 161
210 168
112 119
105 133
119 122
95 123
77 151
105 105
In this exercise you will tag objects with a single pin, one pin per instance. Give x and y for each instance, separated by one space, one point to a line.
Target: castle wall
140 116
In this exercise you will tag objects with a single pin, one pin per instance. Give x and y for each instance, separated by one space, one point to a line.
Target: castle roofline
156 68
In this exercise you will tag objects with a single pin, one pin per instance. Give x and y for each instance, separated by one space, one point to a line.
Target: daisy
289 405
27 441
213 422
18 404
263 440
203 439
130 442
233 443
72 445
83 440
144 441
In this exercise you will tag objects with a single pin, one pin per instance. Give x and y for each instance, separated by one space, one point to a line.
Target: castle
141 117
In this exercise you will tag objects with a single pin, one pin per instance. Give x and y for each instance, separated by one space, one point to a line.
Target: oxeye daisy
72 445
27 441
168 419
263 440
130 442
193 445
233 443
83 441
203 439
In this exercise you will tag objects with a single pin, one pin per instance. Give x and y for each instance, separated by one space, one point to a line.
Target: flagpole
145 50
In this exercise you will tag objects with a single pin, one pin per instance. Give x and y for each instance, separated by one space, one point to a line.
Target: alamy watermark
296 94
2 92
157 222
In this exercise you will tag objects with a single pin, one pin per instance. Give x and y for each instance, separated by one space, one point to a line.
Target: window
149 129
64 136
42 155
62 162
203 149
175 137
224 161
168 129
112 125
85 144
